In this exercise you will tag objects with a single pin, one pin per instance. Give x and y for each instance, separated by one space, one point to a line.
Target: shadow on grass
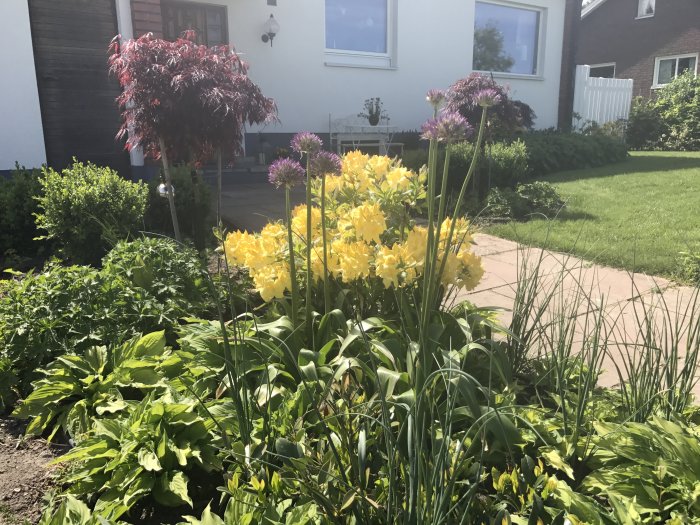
637 164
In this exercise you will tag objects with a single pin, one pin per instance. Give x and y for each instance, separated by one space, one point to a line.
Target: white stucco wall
21 132
434 48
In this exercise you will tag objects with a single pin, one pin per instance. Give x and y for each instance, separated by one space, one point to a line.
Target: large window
207 21
668 68
646 8
506 39
357 25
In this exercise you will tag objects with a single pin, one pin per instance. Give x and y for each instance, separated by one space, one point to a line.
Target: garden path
624 295
249 205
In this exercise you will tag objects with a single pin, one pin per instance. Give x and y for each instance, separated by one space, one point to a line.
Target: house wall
611 33
21 132
434 50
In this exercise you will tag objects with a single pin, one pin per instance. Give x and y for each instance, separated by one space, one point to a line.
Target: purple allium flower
487 97
449 127
325 163
306 142
286 172
435 97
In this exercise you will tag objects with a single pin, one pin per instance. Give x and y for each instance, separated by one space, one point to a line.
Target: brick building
648 41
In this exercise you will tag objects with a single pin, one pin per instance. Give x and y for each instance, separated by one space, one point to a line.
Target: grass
636 215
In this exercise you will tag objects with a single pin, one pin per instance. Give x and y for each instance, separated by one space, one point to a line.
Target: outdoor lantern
271 29
162 190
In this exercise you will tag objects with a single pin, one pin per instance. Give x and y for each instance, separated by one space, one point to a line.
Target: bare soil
24 474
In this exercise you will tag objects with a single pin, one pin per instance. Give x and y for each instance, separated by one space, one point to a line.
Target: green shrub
171 273
552 151
689 267
644 126
18 204
192 203
678 105
85 208
146 285
526 200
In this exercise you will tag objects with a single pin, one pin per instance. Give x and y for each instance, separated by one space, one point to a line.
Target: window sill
643 17
512 76
659 86
334 58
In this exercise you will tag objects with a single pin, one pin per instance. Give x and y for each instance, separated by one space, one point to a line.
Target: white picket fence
600 100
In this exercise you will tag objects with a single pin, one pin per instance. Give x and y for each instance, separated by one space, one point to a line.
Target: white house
325 58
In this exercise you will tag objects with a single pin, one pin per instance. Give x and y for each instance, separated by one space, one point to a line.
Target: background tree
488 50
182 100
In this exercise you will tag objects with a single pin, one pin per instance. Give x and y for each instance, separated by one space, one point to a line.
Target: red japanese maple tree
183 99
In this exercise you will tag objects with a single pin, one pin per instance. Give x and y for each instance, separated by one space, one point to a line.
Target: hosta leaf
555 459
171 490
149 460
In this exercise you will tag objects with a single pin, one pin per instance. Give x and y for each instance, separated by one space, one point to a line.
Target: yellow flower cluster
366 238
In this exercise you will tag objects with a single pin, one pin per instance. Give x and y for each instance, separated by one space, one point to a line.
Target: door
78 110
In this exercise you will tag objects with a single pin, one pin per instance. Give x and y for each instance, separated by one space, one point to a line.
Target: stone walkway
624 296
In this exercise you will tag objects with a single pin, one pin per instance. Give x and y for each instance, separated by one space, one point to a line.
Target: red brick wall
146 17
610 33
572 19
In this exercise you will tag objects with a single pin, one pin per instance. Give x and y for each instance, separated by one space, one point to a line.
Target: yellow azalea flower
237 245
415 245
334 183
461 234
398 179
472 271
353 260
378 166
451 273
354 161
368 222
299 220
271 281
388 264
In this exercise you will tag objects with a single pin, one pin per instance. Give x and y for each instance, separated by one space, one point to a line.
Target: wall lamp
271 29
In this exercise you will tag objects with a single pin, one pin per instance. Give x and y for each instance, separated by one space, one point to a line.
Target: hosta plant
164 451
77 388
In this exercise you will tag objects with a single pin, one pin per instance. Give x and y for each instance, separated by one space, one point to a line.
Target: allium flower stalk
448 127
325 163
487 98
306 142
286 172
322 164
435 98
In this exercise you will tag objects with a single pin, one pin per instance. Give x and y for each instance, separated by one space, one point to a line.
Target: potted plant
374 111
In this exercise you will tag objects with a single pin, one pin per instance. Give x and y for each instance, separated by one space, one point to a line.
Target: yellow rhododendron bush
374 244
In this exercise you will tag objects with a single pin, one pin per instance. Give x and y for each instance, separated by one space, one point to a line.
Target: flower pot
373 120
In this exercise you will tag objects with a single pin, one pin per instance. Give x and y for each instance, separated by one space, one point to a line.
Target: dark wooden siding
78 111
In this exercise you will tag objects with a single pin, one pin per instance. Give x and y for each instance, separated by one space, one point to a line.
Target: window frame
606 64
366 59
657 62
640 15
541 47
203 6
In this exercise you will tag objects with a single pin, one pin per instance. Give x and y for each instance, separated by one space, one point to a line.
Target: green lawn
636 215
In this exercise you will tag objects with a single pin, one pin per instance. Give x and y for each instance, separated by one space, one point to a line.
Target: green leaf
555 459
171 490
149 460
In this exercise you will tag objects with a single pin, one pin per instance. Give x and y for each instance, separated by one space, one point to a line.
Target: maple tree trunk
169 190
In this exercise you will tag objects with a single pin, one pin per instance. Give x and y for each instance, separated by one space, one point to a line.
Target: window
360 32
668 68
207 21
603 70
646 8
506 39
